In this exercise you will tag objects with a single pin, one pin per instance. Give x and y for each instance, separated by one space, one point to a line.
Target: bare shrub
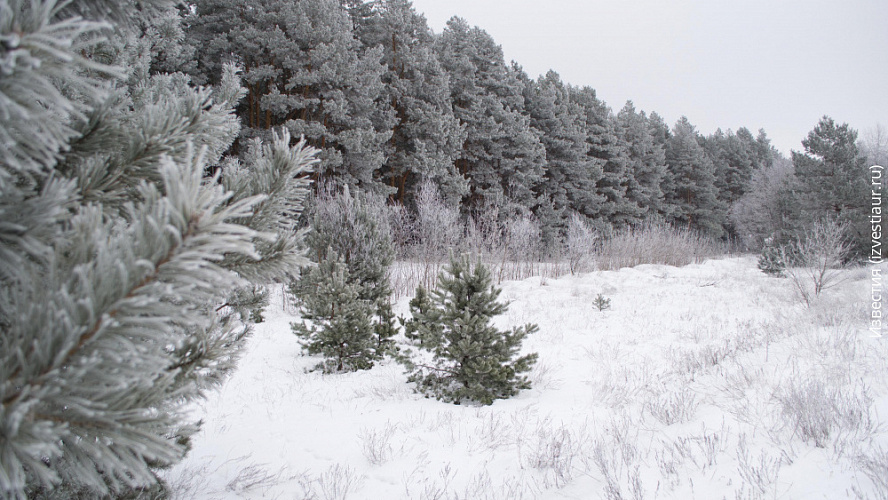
874 144
541 376
712 445
653 243
875 466
757 473
522 248
580 244
185 482
437 231
759 213
608 465
403 228
432 488
554 452
613 468
816 411
253 477
337 482
376 443
484 233
493 432
817 258
691 362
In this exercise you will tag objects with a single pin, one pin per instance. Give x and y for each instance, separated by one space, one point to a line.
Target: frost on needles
344 299
466 358
117 253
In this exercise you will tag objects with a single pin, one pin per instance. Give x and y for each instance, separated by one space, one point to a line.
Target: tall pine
646 160
570 179
831 180
304 70
426 137
502 157
608 149
692 193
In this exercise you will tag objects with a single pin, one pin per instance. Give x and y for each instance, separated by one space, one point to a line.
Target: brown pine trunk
401 188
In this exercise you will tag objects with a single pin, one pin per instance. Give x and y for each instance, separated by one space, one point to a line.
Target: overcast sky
773 64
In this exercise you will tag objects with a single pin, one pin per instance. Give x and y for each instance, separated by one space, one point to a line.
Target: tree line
153 179
392 105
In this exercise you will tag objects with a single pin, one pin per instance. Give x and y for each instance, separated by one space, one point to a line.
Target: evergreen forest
161 162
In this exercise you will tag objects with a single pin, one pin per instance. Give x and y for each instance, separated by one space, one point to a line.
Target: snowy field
709 381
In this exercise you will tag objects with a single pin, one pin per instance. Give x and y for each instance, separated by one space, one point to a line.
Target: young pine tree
117 255
351 243
471 359
416 328
340 328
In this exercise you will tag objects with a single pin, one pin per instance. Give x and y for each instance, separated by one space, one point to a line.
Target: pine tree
117 254
421 306
347 232
471 359
571 175
771 261
340 328
427 137
831 180
646 160
692 191
607 149
662 135
502 156
734 158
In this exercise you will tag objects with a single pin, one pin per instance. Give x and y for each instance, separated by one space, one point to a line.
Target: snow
698 382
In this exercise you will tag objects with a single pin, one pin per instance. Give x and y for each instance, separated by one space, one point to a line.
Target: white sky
773 64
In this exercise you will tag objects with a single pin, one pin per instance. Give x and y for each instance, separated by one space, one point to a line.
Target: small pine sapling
470 359
248 302
421 306
601 302
354 230
340 326
771 262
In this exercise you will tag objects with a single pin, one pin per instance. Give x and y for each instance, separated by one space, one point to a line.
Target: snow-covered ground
709 381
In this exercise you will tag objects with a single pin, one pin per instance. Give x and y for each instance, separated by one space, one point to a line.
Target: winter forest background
168 170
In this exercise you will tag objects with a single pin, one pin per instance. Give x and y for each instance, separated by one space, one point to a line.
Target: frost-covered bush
470 360
580 244
818 410
437 231
815 260
653 243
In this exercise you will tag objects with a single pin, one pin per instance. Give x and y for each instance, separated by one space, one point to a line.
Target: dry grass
655 244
